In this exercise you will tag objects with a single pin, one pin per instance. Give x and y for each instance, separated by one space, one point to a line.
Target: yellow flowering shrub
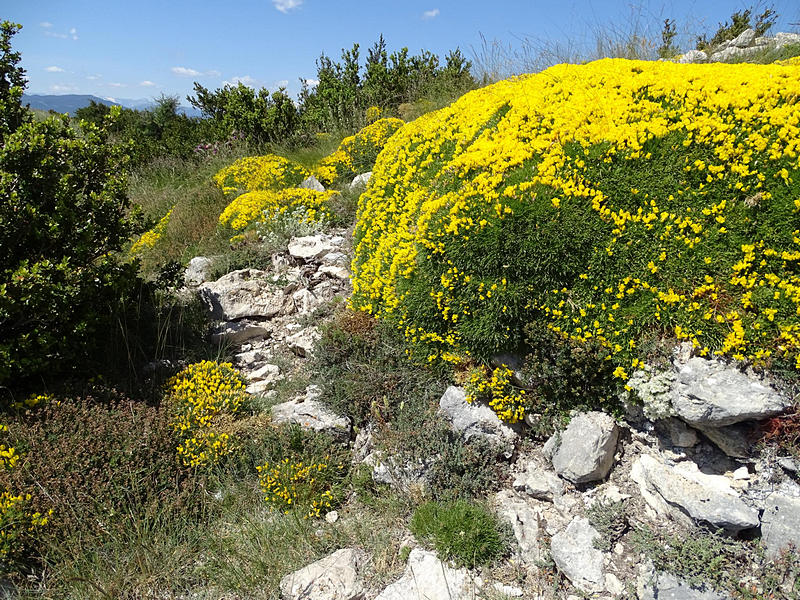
201 397
297 485
608 201
254 206
18 526
357 153
149 238
269 172
508 401
372 114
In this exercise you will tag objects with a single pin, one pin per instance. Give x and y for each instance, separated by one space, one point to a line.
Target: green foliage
741 20
610 519
701 558
63 215
461 531
385 80
561 375
364 371
12 83
160 131
260 116
667 48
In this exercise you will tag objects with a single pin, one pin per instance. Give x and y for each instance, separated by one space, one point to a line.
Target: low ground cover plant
461 531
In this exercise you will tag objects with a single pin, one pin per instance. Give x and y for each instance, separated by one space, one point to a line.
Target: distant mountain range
69 103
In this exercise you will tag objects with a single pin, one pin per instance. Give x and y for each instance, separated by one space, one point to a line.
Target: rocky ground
682 462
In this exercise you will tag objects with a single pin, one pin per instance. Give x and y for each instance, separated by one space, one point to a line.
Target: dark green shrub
562 375
63 215
364 371
461 531
740 21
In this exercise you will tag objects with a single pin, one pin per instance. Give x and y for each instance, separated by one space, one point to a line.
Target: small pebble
332 517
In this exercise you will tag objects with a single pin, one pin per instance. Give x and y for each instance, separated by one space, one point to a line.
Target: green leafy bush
461 531
63 216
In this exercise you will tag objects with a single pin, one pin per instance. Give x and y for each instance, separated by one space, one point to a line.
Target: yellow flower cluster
507 401
372 114
260 205
149 238
299 486
357 153
610 200
17 522
201 396
269 172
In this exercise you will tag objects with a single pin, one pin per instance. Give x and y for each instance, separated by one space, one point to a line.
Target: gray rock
361 181
311 247
335 577
312 183
538 483
336 259
713 394
510 591
335 271
394 472
681 435
587 447
693 56
665 586
311 415
733 53
783 38
577 558
780 524
238 332
733 440
524 521
744 39
198 270
268 372
790 464
244 293
305 301
303 342
475 420
428 578
689 495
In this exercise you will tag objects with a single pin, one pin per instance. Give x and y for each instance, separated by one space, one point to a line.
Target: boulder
733 440
711 393
198 270
743 40
335 577
360 181
238 332
689 495
538 483
587 447
312 415
311 247
780 524
524 522
576 557
783 38
693 56
427 577
268 372
475 420
312 183
244 293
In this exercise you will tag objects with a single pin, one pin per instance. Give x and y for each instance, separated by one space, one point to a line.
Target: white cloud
94 77
63 88
62 36
430 14
312 82
185 72
45 24
74 33
147 83
212 73
109 98
54 69
282 83
118 85
244 79
286 5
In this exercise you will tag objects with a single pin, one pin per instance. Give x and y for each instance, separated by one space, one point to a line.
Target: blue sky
142 48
